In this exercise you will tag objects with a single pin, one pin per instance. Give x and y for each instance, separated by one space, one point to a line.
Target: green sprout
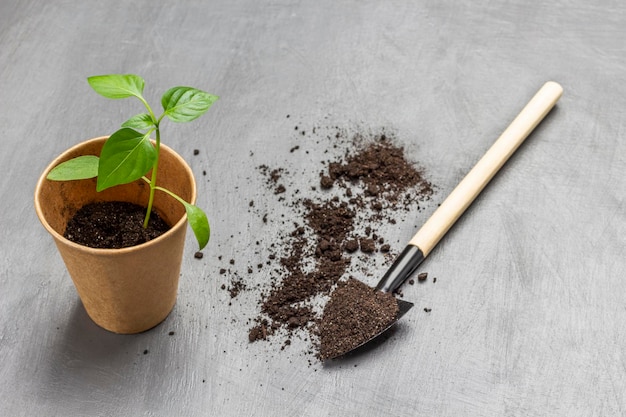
129 154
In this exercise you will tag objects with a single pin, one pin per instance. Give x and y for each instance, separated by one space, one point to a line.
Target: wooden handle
474 182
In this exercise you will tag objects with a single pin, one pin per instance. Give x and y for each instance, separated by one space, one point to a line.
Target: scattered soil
113 225
354 314
258 332
382 169
369 185
236 287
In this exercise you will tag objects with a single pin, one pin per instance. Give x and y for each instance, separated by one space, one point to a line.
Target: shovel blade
403 307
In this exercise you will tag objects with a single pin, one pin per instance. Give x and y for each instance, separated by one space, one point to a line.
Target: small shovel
463 195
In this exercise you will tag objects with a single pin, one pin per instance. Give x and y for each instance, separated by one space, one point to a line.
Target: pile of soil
373 180
113 225
354 314
382 169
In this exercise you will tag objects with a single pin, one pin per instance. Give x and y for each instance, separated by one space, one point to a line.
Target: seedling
129 154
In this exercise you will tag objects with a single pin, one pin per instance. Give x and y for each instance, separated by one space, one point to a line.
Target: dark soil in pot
113 225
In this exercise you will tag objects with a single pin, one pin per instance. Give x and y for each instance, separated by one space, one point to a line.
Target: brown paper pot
126 290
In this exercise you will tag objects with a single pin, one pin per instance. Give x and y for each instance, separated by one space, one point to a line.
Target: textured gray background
529 310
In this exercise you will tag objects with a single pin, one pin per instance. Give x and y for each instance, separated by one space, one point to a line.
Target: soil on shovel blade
113 225
354 314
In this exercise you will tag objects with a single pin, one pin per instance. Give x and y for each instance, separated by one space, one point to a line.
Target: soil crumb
113 225
236 287
354 314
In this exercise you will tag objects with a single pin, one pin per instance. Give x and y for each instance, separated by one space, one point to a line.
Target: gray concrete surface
529 310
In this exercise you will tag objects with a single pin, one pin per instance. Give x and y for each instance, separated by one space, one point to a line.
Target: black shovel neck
403 267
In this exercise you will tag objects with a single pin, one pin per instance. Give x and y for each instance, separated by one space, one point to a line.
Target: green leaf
184 104
117 86
79 168
198 223
126 156
141 121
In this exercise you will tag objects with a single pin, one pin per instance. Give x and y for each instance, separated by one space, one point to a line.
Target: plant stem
145 103
171 194
166 191
153 176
